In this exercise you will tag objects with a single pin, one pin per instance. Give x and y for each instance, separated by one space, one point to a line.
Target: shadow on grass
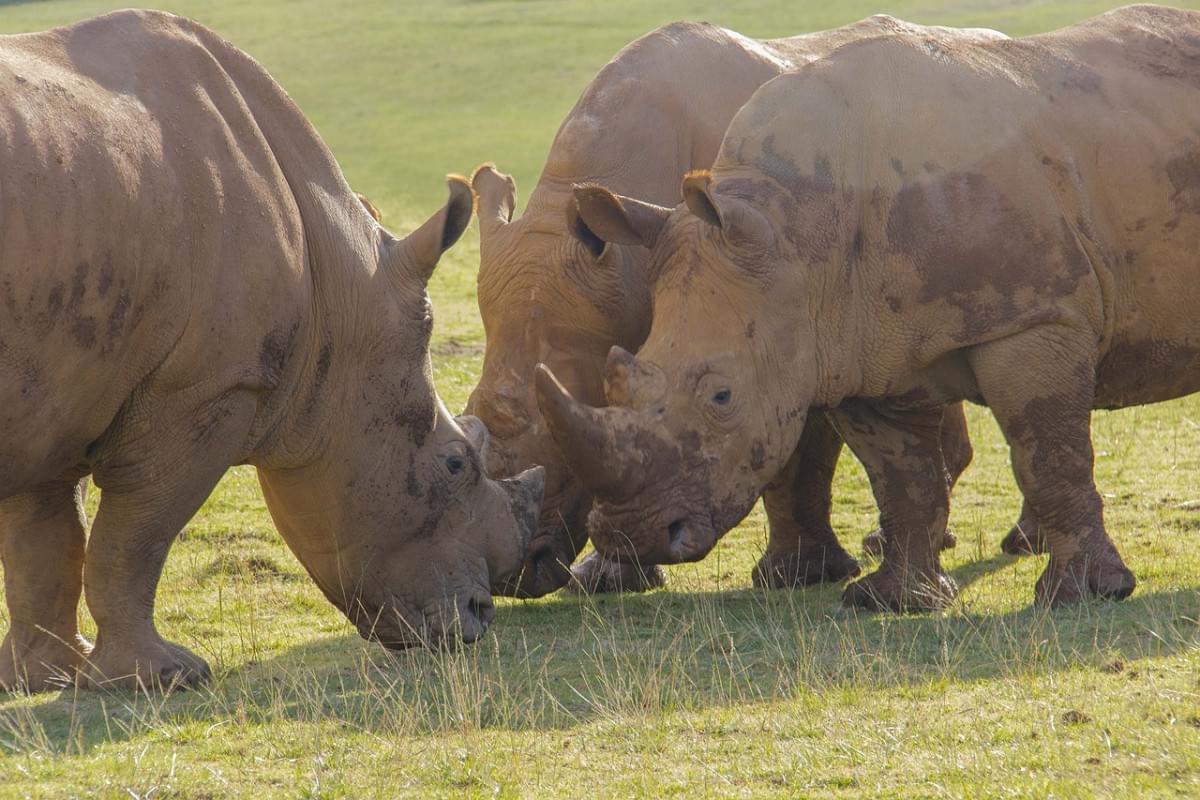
565 661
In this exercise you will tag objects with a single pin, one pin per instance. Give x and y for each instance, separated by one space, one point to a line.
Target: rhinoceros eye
455 464
722 397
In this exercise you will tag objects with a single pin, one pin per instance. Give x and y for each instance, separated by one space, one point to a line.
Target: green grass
706 688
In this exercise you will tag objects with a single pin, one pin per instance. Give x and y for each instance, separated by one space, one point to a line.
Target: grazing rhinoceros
656 111
909 222
186 283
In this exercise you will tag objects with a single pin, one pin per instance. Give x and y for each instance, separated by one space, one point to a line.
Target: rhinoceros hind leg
1046 418
1025 538
153 480
902 454
802 548
598 575
41 544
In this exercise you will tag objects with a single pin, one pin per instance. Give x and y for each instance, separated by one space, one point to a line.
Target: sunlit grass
705 688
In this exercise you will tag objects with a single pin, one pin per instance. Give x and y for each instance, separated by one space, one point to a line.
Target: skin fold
657 110
188 283
908 223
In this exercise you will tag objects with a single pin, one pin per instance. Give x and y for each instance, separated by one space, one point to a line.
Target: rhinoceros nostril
482 609
676 532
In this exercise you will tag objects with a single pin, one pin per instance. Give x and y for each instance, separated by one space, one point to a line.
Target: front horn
589 437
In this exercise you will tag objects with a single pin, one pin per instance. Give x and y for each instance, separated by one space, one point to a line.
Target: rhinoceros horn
589 437
629 382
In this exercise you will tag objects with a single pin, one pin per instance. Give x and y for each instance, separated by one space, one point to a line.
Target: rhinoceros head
395 516
708 411
545 297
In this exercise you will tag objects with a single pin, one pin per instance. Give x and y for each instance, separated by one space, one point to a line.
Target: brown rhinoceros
656 111
186 283
910 222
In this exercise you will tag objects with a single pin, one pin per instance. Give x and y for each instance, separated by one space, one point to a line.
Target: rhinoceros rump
186 283
910 222
656 111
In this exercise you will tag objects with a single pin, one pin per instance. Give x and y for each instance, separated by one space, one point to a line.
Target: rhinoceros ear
599 217
736 218
497 194
369 206
423 247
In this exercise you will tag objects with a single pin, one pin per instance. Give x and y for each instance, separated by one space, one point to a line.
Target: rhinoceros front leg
152 481
1040 386
41 545
902 453
1025 538
802 548
956 453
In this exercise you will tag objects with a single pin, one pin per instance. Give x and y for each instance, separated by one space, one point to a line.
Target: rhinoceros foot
598 575
804 568
40 663
1095 570
872 543
157 665
899 590
1025 539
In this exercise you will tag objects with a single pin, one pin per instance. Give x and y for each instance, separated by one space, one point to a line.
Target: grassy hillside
706 688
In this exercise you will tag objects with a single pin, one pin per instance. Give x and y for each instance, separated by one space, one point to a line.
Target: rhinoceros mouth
674 533
441 625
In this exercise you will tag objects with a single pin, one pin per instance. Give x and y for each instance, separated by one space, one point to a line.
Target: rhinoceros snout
687 540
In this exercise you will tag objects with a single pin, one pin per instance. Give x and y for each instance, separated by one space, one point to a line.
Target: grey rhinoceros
910 222
657 110
187 282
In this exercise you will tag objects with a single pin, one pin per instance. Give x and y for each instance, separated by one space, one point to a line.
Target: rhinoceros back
142 224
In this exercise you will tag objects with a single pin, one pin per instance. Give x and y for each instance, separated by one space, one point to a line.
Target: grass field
705 688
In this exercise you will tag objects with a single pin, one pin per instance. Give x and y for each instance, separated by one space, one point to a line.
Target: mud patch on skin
1184 174
324 361
1053 432
975 249
79 285
275 348
116 317
83 331
105 281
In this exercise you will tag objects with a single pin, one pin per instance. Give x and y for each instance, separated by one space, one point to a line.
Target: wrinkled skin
547 297
984 249
237 305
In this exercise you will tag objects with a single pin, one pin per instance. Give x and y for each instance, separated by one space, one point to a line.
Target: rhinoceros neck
340 258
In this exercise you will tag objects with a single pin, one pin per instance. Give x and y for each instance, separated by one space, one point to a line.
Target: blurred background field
707 687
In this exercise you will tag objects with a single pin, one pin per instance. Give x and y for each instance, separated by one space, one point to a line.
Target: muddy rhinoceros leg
802 548
1040 386
1025 538
41 544
153 479
957 454
598 575
902 453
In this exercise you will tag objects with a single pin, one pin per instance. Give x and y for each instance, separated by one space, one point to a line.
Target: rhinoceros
186 283
910 222
656 111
